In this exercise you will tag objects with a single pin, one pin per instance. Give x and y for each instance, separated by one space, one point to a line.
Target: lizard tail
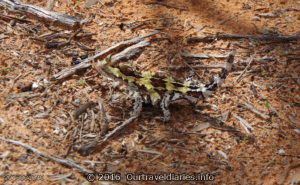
217 81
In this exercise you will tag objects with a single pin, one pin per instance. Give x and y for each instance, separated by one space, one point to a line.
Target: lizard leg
192 100
165 107
138 104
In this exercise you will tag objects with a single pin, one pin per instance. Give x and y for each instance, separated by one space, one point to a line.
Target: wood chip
256 111
150 151
201 126
90 3
248 128
66 162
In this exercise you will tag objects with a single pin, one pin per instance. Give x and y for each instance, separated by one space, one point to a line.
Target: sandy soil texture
38 111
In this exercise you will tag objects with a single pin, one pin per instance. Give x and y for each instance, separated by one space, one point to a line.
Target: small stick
14 81
255 111
249 61
211 66
248 128
104 119
40 13
90 148
9 18
273 38
86 63
202 56
150 152
83 108
51 45
92 125
192 68
129 52
66 162
137 108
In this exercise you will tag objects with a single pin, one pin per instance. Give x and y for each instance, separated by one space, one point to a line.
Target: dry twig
90 148
9 18
249 61
210 66
201 56
104 119
137 108
86 63
255 111
66 162
248 128
273 38
53 17
83 108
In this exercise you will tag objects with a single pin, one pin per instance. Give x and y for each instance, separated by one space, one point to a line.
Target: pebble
281 151
1 121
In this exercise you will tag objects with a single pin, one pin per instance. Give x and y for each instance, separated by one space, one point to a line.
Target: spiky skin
164 90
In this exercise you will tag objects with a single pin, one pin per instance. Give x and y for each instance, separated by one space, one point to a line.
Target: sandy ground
267 155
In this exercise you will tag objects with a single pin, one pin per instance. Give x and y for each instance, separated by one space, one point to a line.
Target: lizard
162 91
147 87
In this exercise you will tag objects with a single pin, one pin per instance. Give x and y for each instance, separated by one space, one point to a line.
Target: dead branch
40 13
64 34
104 118
274 38
211 66
249 61
86 63
137 108
293 58
90 148
66 162
202 56
154 152
129 52
201 66
248 128
8 18
205 39
255 111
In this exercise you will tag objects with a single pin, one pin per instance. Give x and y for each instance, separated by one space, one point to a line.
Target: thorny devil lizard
162 91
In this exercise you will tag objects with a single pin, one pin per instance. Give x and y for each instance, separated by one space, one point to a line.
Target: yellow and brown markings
156 85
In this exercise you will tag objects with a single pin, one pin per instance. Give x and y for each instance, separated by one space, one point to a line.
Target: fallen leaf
201 126
90 3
